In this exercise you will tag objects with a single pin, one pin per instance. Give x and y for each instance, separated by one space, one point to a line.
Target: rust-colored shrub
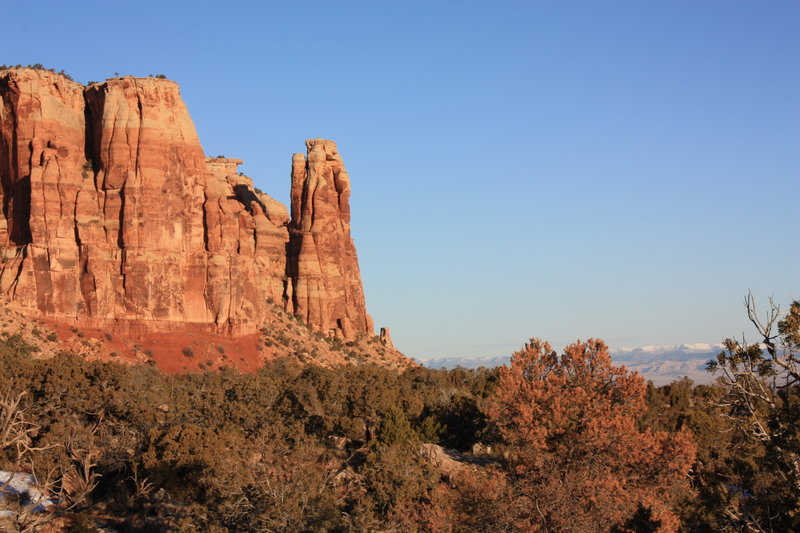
578 460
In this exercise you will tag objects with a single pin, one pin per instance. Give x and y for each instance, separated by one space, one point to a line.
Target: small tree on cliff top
578 460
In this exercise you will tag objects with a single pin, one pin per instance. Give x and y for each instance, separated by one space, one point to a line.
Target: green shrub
395 429
218 441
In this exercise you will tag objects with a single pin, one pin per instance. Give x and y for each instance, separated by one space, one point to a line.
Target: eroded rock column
324 285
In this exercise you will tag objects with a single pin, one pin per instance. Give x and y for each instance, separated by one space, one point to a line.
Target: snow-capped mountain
677 352
661 364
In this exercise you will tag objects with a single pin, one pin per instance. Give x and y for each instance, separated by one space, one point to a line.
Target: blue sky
623 170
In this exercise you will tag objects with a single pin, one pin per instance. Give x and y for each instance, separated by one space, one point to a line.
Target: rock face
113 217
324 285
42 171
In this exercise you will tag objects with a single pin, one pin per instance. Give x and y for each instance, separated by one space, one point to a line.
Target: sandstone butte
114 218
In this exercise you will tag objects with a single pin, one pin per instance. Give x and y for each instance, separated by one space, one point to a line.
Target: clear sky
624 170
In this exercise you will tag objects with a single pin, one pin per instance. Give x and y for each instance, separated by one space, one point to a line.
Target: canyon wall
113 217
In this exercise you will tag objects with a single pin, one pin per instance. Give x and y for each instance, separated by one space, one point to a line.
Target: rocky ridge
113 218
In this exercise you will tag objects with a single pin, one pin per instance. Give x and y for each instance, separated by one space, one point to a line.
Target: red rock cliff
113 217
324 281
42 171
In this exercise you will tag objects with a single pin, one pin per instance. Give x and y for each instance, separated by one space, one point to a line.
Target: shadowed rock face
113 217
324 284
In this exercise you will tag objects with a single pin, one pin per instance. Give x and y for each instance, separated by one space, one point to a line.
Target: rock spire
324 285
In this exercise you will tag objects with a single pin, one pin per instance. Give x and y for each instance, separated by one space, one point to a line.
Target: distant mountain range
449 363
661 364
664 364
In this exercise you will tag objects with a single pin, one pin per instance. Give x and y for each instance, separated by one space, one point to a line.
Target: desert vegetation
38 66
554 442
